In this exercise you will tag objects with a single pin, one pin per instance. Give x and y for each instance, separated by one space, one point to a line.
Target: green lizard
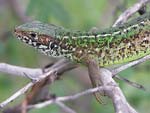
112 46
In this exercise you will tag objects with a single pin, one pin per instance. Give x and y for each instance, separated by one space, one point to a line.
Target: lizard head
39 35
36 33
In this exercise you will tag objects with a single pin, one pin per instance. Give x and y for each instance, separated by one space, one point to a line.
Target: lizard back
116 45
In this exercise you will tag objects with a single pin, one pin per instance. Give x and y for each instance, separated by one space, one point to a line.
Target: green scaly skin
117 45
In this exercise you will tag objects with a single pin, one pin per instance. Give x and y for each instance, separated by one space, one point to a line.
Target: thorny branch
109 86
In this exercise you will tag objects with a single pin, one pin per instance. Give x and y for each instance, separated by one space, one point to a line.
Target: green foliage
49 109
45 10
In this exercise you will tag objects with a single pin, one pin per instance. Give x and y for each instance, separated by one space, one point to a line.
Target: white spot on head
19 37
42 46
24 40
142 22
30 42
34 43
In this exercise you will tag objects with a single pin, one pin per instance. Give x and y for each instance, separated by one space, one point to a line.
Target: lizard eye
52 46
33 35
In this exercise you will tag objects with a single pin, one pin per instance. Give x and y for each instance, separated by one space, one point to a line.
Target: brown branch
71 97
63 65
115 93
42 80
20 71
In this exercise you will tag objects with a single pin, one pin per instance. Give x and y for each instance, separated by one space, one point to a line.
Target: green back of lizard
116 45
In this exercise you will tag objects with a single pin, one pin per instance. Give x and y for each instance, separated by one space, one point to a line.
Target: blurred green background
74 14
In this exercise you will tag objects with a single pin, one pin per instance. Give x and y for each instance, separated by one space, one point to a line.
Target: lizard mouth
24 38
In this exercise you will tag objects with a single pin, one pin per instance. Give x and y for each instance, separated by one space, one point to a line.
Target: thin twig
14 96
20 71
136 85
72 97
129 12
57 68
24 89
130 64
